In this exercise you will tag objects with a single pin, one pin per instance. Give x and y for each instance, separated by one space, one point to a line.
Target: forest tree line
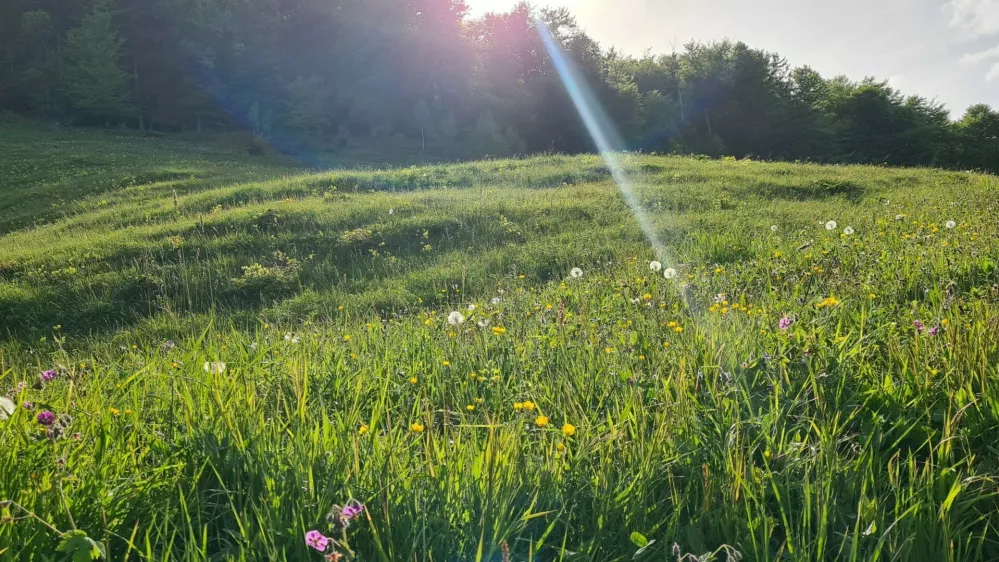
422 75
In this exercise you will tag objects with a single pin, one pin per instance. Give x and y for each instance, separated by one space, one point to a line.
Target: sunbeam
605 136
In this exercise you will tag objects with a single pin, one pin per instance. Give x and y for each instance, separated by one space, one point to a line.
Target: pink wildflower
317 540
45 417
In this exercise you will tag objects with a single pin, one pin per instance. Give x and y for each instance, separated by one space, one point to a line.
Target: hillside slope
231 345
128 228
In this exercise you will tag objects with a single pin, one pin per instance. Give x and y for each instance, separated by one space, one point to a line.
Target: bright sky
946 50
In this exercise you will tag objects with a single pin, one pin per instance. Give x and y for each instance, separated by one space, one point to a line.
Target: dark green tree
94 81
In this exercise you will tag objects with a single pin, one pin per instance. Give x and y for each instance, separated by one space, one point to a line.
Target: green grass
850 436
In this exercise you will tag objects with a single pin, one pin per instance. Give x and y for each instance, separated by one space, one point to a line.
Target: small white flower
214 367
495 301
831 225
484 323
951 224
253 345
455 318
635 300
669 273
899 218
655 266
773 228
576 273
287 336
848 230
391 211
471 307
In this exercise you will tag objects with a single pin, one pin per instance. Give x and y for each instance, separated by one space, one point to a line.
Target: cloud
975 58
993 73
980 18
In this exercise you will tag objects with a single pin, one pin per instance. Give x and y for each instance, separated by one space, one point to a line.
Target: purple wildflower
49 376
784 323
352 510
317 540
27 405
934 330
919 326
45 417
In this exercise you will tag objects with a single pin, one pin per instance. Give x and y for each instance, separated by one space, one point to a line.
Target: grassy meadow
205 351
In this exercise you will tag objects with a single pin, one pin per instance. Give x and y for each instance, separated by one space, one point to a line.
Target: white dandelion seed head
295 339
831 225
214 367
287 336
669 273
951 224
773 228
484 323
848 230
455 318
655 266
576 273
471 307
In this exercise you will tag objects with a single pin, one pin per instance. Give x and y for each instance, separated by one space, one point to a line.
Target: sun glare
480 7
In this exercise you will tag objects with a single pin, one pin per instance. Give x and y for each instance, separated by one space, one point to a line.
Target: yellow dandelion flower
518 406
608 350
447 363
678 329
560 447
568 430
416 427
541 421
528 405
470 407
115 412
363 429
413 380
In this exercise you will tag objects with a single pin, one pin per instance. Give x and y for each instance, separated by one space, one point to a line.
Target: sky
945 50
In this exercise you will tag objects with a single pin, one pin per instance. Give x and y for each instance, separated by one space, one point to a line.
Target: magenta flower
49 376
352 510
45 417
317 540
919 326
934 330
784 323
27 405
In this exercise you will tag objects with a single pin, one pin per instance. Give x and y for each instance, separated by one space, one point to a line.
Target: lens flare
604 134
